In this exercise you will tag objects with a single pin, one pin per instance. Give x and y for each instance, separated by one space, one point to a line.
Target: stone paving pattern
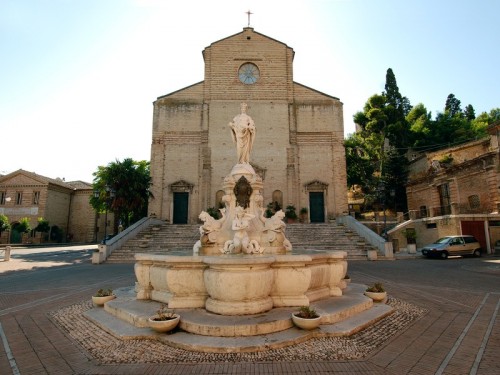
108 349
458 334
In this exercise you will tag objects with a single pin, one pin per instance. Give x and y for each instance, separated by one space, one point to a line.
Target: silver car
453 245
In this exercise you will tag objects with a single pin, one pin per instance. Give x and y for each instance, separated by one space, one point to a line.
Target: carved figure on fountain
243 191
241 241
273 233
211 227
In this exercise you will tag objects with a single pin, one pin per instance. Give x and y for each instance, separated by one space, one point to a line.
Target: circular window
248 73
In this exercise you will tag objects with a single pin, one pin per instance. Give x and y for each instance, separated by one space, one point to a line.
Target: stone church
298 149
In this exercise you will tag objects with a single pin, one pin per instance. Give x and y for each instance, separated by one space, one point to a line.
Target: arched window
423 211
278 199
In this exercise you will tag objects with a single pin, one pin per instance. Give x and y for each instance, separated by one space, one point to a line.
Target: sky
78 77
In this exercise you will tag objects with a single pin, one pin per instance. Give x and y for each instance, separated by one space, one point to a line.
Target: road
460 333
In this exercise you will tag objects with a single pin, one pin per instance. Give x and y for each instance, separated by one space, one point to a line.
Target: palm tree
129 181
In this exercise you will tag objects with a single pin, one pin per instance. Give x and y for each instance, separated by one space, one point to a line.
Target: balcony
453 209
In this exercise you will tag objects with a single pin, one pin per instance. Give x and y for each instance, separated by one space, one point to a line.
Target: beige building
455 191
298 150
63 204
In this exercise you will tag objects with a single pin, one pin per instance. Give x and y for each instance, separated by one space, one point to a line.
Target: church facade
298 148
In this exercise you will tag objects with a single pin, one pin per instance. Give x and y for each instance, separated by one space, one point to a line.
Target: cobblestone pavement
446 322
108 349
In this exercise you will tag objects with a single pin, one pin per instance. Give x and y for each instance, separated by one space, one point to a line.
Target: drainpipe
73 192
487 235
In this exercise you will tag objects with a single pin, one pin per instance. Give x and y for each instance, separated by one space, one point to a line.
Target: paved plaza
446 322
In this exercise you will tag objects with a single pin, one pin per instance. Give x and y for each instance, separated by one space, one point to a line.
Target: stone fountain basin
240 284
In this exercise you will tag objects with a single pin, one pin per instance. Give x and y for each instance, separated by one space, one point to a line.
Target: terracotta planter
100 301
163 325
376 296
306 323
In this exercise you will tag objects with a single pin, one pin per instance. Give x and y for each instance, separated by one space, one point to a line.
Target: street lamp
109 194
381 190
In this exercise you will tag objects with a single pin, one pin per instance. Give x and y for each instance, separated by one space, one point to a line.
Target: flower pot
163 325
376 296
412 248
100 301
304 323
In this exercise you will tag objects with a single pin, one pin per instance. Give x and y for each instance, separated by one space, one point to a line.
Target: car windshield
443 240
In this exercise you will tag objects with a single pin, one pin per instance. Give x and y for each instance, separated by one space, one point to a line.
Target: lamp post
381 190
109 194
393 197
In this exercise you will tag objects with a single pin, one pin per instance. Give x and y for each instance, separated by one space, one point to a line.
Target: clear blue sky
78 77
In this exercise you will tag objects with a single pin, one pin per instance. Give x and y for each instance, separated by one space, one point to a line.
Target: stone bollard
372 254
6 257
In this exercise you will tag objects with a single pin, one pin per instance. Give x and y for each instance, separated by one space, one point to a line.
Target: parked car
453 245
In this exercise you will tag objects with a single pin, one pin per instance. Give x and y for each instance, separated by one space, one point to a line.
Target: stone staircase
327 237
305 238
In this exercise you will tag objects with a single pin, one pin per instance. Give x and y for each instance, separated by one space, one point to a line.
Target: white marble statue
243 133
241 241
211 226
274 229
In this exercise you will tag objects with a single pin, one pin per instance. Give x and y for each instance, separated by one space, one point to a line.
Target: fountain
242 278
242 263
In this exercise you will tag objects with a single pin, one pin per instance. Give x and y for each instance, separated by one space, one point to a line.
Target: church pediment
316 185
22 178
247 33
181 186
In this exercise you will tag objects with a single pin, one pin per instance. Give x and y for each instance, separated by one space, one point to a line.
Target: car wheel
443 255
477 252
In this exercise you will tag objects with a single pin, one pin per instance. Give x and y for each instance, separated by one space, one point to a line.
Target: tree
397 107
419 122
395 179
452 106
43 225
469 113
24 225
359 160
4 223
384 138
377 155
130 181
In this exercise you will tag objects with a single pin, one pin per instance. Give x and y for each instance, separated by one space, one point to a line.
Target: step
342 316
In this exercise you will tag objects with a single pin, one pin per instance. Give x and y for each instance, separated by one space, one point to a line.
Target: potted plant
303 214
411 240
164 320
102 296
306 318
376 292
290 214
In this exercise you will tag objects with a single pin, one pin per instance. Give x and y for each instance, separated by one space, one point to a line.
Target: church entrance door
181 208
317 207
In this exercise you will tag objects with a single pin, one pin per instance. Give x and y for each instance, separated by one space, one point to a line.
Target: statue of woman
243 134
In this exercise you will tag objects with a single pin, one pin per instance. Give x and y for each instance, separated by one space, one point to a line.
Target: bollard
372 254
6 257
